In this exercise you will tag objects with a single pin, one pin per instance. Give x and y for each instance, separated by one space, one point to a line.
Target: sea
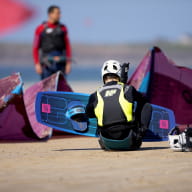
78 73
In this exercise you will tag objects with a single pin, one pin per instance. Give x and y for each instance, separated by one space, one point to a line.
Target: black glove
124 72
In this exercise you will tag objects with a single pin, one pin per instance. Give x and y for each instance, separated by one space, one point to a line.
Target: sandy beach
78 164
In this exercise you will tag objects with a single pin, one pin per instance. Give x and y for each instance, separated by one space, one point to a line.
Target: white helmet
111 67
180 141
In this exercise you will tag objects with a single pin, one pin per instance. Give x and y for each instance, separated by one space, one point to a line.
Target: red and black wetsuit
51 39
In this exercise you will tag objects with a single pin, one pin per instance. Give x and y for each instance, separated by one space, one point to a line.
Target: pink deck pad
164 124
46 108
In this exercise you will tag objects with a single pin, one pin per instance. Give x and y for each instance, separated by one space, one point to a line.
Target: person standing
51 46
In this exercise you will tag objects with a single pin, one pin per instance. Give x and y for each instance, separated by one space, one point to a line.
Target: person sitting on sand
119 127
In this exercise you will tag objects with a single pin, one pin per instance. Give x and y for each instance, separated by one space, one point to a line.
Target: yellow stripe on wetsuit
99 109
126 106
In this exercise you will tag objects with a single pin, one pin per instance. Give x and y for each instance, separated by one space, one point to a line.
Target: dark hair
51 8
110 76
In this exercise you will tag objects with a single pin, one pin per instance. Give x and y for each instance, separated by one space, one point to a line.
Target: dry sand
78 164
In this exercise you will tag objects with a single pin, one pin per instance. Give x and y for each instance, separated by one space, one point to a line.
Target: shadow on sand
152 148
99 149
80 149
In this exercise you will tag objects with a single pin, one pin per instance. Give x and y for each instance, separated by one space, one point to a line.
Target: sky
112 21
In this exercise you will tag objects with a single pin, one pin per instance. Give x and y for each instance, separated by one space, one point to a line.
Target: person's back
52 42
113 105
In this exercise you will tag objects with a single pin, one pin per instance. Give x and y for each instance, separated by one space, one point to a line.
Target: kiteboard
65 111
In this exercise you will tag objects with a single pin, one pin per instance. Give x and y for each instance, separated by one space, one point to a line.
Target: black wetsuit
120 130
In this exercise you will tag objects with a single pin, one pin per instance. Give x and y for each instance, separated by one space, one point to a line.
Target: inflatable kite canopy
56 82
165 84
13 14
14 123
17 109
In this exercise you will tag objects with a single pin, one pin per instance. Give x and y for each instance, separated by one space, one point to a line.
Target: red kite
13 13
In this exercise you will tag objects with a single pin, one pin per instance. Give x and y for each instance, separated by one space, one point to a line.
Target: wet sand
78 164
